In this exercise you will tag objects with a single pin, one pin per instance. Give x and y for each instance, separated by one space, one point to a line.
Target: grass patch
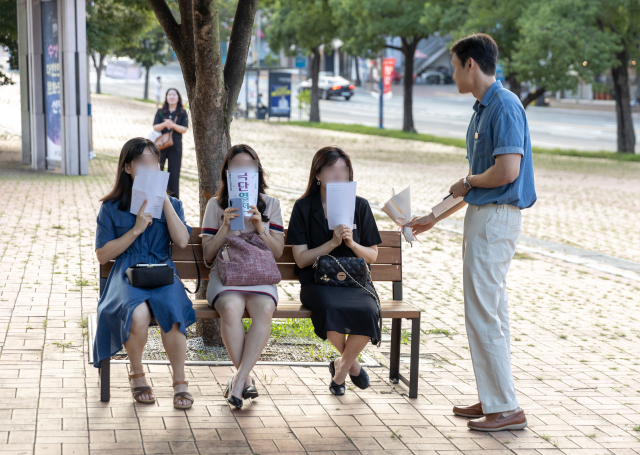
456 142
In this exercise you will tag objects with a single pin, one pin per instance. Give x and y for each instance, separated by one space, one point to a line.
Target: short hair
481 48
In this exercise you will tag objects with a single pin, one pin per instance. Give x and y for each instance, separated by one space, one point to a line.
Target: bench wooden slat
293 309
187 271
389 238
386 255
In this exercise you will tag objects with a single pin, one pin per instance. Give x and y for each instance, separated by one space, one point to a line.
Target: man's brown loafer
498 422
474 411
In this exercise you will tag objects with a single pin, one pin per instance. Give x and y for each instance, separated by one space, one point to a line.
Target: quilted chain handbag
347 272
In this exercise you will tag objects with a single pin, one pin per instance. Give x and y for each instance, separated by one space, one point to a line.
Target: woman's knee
261 308
230 307
140 318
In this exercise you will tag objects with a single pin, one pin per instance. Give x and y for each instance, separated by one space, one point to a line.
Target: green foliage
364 26
149 49
299 25
113 24
9 35
304 100
556 37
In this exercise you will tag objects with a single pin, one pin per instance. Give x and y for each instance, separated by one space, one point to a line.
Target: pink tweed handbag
245 260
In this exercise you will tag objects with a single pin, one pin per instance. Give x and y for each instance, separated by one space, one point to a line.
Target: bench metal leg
415 358
394 358
105 379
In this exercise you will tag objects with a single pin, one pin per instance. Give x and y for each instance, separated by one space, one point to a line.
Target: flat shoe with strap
474 411
498 422
182 395
233 401
362 380
142 390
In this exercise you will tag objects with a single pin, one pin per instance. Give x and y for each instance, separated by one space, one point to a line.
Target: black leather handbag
155 275
347 272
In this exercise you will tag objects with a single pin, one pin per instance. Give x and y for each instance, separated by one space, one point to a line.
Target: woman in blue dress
124 311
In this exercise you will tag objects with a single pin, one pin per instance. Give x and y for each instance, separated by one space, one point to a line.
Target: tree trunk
626 134
99 66
409 51
358 80
146 84
212 91
533 96
514 84
314 114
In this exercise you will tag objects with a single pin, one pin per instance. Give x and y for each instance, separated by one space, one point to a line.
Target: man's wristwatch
467 185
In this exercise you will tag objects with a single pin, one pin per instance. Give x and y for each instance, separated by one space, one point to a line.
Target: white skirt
216 288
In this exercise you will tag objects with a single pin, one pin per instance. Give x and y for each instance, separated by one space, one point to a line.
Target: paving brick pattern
575 331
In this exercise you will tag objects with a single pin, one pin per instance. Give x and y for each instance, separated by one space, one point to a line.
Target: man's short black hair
481 48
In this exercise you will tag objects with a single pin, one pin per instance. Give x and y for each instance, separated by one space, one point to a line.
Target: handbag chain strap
195 259
373 294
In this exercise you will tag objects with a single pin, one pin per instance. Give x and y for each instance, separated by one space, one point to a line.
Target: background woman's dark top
173 153
344 310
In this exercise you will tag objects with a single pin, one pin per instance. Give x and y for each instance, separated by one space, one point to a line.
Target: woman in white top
231 301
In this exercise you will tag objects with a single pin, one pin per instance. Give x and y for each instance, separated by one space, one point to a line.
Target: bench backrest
388 266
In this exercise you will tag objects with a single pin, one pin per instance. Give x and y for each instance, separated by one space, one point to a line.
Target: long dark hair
131 150
223 191
326 156
165 106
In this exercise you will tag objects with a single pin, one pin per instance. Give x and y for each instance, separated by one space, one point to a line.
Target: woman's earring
318 182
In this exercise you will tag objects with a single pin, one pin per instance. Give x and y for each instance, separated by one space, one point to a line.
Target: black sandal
362 380
233 401
251 391
336 389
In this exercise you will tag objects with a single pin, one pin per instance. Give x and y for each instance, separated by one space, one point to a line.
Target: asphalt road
442 112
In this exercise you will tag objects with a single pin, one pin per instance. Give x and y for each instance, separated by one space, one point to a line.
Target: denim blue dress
170 304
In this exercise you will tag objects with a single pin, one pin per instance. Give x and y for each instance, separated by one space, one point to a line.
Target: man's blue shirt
499 126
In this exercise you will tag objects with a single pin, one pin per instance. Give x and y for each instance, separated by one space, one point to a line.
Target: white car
331 86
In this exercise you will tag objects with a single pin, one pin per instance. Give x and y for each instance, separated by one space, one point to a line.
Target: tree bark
358 80
99 66
146 84
626 134
533 96
212 92
314 114
408 49
514 84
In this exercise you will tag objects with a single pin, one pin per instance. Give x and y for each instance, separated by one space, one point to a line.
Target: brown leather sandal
179 395
137 391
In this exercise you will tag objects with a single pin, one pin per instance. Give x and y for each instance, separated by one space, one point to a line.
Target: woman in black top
172 117
336 312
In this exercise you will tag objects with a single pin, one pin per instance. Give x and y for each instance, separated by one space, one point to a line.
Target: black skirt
351 311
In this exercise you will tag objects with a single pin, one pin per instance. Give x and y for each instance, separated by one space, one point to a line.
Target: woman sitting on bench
336 311
125 311
231 301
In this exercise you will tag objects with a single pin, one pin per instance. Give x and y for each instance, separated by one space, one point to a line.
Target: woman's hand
347 237
168 123
338 232
143 220
229 214
256 219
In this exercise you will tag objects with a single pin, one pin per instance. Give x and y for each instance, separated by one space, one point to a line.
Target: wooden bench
388 267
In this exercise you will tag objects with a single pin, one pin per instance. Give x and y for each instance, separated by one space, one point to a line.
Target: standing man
499 185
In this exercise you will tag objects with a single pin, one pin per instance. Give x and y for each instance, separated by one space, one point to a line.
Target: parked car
329 86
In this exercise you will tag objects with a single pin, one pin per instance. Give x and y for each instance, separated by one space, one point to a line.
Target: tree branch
533 96
168 23
239 41
389 46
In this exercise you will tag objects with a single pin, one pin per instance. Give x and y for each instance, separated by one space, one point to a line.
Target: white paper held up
244 185
150 185
341 204
399 210
447 203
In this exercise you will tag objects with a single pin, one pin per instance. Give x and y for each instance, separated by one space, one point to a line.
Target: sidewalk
575 330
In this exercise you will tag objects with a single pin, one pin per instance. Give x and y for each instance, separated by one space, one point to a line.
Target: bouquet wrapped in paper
399 210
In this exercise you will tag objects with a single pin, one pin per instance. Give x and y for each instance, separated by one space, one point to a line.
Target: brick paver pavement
575 330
